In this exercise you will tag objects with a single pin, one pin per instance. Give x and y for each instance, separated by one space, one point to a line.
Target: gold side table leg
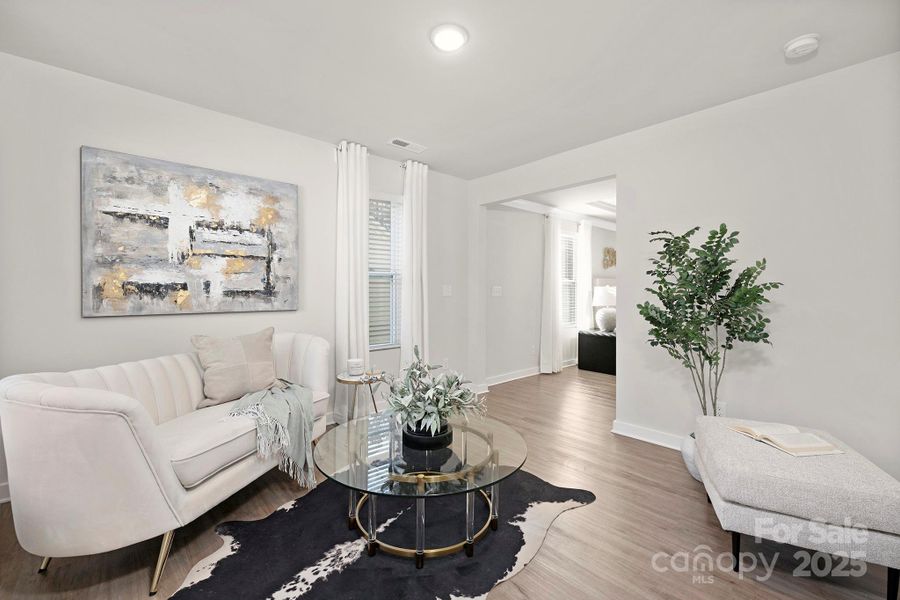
372 392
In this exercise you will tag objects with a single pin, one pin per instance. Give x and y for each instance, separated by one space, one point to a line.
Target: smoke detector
407 145
802 46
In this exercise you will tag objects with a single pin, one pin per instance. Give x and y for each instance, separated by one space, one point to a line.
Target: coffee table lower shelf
373 544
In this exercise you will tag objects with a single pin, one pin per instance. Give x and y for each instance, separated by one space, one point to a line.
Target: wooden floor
646 504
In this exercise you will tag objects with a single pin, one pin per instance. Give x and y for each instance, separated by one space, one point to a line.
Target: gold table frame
428 552
490 494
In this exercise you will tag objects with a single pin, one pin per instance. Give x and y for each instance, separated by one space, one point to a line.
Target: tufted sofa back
172 386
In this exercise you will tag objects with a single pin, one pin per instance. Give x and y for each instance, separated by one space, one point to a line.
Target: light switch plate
446 290
497 291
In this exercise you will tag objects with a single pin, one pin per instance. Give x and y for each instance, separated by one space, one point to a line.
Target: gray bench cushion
841 489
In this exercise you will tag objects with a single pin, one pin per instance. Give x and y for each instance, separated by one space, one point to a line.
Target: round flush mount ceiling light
449 37
802 46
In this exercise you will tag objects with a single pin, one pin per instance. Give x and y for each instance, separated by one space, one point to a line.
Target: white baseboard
479 388
646 434
569 363
512 375
4 492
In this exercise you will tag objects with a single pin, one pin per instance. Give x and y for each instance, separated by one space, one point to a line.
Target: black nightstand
597 351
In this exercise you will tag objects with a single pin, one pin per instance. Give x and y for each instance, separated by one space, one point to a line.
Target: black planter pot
422 439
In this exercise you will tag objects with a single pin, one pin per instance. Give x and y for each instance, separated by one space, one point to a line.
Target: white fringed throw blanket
284 425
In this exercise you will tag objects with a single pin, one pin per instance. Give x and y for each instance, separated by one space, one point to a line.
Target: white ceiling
596 199
593 201
536 78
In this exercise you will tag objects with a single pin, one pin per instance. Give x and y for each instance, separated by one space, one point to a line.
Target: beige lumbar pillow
235 366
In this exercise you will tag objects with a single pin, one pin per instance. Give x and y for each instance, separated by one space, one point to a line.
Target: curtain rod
402 163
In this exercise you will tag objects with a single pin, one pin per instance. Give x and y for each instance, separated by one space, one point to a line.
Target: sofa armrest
86 471
304 359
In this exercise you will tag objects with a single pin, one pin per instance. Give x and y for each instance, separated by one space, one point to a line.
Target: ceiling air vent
407 145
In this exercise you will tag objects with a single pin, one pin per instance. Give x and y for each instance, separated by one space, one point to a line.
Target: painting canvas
166 238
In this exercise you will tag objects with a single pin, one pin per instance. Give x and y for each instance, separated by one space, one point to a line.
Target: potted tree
423 400
702 310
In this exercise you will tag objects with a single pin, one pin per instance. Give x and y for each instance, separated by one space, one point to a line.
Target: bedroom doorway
573 280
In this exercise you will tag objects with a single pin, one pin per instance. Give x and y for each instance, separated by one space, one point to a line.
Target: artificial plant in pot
702 309
423 399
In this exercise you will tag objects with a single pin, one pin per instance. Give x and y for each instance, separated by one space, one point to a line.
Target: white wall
515 262
600 239
448 266
809 174
48 113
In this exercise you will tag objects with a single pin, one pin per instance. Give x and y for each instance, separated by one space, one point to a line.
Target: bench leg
893 583
736 551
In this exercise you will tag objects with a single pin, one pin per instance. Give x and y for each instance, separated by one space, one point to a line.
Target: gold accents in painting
266 216
112 284
234 265
204 199
182 296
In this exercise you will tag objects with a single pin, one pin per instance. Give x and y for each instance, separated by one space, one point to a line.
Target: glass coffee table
368 456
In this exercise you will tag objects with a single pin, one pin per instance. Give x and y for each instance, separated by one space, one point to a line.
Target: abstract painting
162 238
609 258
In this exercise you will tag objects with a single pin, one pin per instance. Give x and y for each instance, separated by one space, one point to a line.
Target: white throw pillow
235 366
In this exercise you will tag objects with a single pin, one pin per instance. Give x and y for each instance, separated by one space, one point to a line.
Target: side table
366 379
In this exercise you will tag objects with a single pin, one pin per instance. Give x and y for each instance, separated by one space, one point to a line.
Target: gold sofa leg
44 564
161 561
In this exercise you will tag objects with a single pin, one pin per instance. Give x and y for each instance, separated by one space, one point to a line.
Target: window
568 303
384 273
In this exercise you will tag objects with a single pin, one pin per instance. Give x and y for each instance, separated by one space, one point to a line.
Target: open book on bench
788 438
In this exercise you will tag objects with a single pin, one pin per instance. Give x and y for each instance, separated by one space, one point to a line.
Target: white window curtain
414 263
584 266
551 350
352 268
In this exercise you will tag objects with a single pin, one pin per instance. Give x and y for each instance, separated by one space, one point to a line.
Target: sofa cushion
840 489
235 366
206 441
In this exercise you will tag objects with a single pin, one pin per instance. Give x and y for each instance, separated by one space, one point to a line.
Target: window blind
384 273
568 302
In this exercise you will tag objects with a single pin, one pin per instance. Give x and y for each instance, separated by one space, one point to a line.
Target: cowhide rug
304 550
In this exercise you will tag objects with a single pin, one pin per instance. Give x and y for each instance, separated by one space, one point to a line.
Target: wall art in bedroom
165 238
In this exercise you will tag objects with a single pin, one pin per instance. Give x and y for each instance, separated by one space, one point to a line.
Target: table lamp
605 302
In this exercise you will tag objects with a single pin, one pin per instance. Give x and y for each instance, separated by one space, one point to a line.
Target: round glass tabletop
368 455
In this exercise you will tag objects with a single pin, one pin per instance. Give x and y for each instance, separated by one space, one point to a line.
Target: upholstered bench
841 504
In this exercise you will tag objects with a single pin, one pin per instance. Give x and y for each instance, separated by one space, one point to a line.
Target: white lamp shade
604 295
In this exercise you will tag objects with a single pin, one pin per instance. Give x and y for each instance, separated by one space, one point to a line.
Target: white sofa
102 458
